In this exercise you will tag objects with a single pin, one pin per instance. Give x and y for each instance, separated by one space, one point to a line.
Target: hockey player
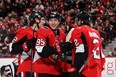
88 58
47 46
24 44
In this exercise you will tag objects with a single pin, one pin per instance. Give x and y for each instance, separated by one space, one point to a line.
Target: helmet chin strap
33 27
37 23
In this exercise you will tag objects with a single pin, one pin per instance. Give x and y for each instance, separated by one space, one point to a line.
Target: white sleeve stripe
80 49
39 48
10 47
69 35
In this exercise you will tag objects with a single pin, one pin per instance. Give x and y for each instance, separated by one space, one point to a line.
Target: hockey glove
66 46
29 44
16 48
47 51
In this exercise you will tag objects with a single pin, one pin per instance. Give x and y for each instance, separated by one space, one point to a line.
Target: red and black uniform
87 42
20 45
45 44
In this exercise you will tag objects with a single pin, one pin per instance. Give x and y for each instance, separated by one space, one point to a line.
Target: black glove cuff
66 46
47 51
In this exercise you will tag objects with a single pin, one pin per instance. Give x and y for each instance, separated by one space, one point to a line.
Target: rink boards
110 67
109 71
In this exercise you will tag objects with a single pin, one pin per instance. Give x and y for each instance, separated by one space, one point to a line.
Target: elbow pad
79 60
47 51
16 48
29 44
66 46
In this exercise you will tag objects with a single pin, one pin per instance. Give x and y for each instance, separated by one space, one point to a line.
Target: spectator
103 12
2 9
112 51
39 6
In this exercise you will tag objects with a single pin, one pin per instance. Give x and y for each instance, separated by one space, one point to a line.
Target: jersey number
97 51
76 42
40 42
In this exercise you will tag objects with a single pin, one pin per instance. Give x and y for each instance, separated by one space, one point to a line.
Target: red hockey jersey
95 64
24 58
47 65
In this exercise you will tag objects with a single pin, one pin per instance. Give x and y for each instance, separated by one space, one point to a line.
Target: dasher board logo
8 67
109 67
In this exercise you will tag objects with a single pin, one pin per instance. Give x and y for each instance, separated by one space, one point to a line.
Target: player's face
42 22
53 23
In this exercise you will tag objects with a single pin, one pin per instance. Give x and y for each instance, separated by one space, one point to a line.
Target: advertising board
109 67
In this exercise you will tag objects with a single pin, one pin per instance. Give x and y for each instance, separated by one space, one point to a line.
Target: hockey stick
88 59
31 67
32 57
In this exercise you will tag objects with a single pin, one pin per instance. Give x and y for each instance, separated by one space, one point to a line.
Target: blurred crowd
112 51
15 14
